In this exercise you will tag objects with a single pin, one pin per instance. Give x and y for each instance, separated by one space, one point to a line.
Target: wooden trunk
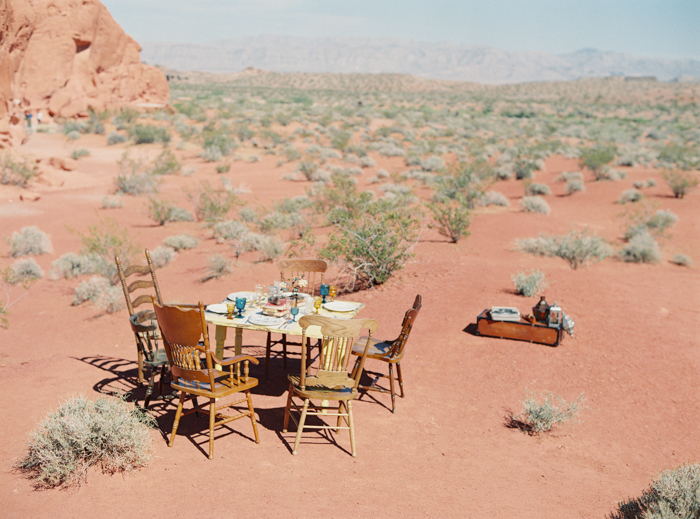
518 330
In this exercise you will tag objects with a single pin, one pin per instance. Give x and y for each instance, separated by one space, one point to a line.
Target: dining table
287 325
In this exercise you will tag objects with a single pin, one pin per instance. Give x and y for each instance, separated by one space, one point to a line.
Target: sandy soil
446 452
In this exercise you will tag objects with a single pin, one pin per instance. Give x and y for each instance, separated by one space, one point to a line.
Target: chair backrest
409 320
336 350
182 329
313 271
130 270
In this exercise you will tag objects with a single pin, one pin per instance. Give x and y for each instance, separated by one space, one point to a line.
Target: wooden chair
313 271
181 329
143 323
331 380
390 352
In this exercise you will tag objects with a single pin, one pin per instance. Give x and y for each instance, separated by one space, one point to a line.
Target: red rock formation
62 57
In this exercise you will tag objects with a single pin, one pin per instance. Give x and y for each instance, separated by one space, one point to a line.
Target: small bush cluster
596 158
641 248
115 138
680 182
112 202
26 269
72 265
534 204
538 189
541 414
576 247
495 198
574 186
269 247
682 260
16 173
161 256
101 292
530 283
82 152
29 241
82 434
217 266
210 204
146 134
165 164
162 212
630 195
180 242
673 494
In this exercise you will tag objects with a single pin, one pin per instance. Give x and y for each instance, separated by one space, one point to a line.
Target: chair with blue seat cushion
196 370
330 379
390 352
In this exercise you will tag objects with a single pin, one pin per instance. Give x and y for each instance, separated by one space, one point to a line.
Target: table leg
220 335
238 344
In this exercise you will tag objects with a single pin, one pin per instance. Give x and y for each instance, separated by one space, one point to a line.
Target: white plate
250 296
340 306
218 308
265 320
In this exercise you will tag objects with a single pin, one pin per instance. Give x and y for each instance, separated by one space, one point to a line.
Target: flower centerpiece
297 283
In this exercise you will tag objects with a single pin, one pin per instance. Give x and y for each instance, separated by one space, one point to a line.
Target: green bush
29 241
630 195
82 152
180 242
576 247
534 204
16 173
673 494
680 182
542 413
223 168
161 256
131 179
452 217
146 134
217 266
8 278
72 265
103 242
112 202
165 164
682 260
596 158
115 138
495 198
233 233
269 247
642 248
529 283
162 212
82 434
538 189
574 186
220 140
210 204
26 269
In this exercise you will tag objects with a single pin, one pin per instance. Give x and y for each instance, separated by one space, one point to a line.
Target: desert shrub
74 135
180 242
71 126
112 202
29 241
161 256
162 212
504 173
524 168
105 241
673 494
96 289
495 198
576 247
269 247
680 182
367 162
682 260
72 265
108 432
565 176
574 186
542 413
432 163
115 138
651 182
223 168
26 269
217 266
146 134
382 173
452 217
165 164
8 279
534 204
127 114
212 204
529 283
340 139
308 169
82 152
661 221
538 189
629 195
608 173
211 154
467 181
233 233
678 155
218 140
291 152
641 248
596 157
135 184
16 173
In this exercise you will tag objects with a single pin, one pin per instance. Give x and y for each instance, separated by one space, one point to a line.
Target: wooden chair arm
234 360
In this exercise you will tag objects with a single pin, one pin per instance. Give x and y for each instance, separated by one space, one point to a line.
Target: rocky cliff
62 57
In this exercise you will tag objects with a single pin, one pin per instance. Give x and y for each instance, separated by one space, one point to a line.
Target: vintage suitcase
518 330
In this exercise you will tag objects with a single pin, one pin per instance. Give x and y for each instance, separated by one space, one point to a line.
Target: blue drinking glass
294 311
325 289
240 305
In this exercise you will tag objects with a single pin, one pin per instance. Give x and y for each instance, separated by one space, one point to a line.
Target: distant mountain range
429 60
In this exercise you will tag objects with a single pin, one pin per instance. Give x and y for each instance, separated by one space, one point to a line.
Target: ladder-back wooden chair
390 352
143 323
313 271
192 365
330 380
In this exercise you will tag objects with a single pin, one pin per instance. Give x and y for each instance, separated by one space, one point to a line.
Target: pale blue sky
649 28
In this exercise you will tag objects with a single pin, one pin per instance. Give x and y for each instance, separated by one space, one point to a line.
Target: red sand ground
446 452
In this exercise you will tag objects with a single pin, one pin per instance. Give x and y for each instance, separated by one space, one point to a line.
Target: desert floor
446 452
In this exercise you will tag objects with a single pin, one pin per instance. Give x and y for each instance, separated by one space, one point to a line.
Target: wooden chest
518 330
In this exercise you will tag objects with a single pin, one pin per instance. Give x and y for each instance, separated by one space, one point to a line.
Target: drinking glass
259 291
230 307
332 291
324 291
240 305
294 311
317 304
309 305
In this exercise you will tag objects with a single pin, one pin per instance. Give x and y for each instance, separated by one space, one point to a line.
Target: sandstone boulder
62 57
63 163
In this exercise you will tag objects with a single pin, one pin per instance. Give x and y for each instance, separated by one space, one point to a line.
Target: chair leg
252 416
351 424
212 420
340 418
284 350
391 388
354 369
302 419
177 419
287 409
149 391
160 380
267 354
398 372
139 357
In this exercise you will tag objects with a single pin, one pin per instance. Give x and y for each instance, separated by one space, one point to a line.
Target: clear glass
259 291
